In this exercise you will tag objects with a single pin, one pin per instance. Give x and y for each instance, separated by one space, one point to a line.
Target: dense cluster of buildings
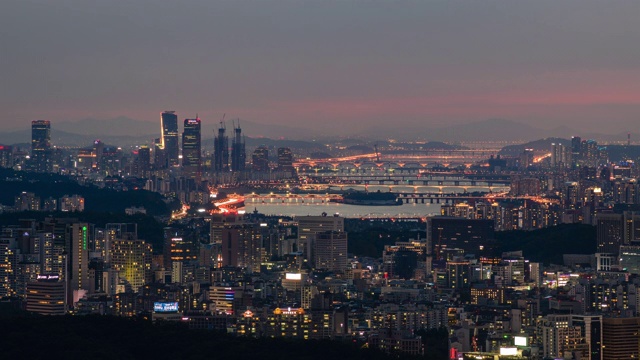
273 277
260 276
176 164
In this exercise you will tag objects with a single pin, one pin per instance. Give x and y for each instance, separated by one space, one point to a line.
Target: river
317 206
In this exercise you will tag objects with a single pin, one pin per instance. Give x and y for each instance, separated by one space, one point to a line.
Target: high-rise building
6 156
78 240
591 329
238 152
620 338
560 336
144 160
285 159
330 251
131 258
41 146
609 232
47 295
260 159
221 150
169 137
309 226
192 149
560 155
242 246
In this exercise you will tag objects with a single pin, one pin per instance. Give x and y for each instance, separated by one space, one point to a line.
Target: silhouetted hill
106 337
96 200
548 245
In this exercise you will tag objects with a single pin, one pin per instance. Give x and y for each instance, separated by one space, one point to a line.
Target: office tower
560 156
77 239
217 225
132 260
330 251
191 149
309 226
285 159
559 336
242 246
221 150
41 146
115 231
609 232
626 191
238 153
178 248
620 338
144 160
169 137
260 159
47 295
576 149
6 156
591 330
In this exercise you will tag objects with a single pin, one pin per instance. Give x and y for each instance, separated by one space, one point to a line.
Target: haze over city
314 65
335 179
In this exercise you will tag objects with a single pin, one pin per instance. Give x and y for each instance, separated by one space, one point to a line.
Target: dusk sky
320 64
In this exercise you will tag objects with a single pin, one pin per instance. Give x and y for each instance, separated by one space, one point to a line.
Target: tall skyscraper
309 226
330 251
192 149
285 159
131 258
221 150
260 159
238 153
41 146
77 239
241 246
620 338
169 138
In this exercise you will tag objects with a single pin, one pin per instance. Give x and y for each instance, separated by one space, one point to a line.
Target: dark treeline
547 245
543 245
98 200
104 337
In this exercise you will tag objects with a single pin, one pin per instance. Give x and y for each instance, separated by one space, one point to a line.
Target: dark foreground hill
103 337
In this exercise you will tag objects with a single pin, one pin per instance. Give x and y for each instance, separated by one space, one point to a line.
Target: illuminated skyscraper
260 159
241 246
78 248
238 154
221 150
131 258
41 146
192 149
330 251
309 226
169 138
285 159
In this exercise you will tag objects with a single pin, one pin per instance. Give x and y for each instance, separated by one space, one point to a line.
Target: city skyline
340 63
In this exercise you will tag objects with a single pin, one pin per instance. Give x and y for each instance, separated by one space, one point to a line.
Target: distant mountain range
497 130
127 132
